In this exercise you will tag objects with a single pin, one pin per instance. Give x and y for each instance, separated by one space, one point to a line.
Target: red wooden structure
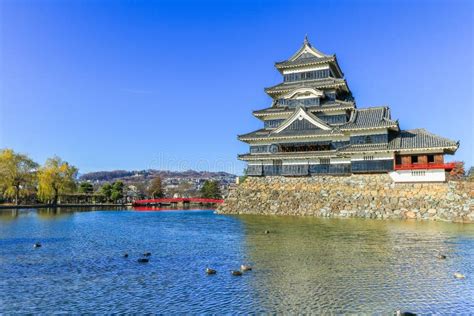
415 166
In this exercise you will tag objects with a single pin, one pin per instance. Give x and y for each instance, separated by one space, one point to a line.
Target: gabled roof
307 51
370 118
285 87
300 114
336 105
420 139
305 91
308 55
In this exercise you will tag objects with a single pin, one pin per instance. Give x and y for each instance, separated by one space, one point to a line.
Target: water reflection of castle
352 266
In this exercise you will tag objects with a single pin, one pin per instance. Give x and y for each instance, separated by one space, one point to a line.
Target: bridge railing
177 200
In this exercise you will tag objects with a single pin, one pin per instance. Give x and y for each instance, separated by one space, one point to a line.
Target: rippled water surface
303 265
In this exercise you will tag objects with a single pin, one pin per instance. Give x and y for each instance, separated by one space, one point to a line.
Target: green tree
86 187
56 177
117 191
210 190
112 191
106 191
17 174
155 190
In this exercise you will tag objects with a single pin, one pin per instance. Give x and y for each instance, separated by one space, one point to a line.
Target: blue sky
169 84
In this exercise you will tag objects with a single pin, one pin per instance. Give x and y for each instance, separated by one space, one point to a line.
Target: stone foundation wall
367 196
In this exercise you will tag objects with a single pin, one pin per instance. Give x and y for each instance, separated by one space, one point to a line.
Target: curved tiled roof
376 117
406 140
315 84
329 106
304 61
288 155
266 133
419 138
308 55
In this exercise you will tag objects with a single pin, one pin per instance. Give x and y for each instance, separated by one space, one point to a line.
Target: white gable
307 49
303 93
301 114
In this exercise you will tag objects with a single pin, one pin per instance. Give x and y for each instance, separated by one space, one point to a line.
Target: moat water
305 265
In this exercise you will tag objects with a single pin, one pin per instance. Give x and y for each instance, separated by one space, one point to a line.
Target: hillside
147 175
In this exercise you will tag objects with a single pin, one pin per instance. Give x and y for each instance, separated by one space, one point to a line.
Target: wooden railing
177 200
414 166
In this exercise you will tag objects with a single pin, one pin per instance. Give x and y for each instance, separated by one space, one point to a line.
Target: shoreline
27 206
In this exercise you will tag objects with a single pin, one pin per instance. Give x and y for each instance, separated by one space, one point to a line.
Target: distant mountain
105 175
146 175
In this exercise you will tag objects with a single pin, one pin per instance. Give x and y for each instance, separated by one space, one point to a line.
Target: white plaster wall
377 156
303 69
431 175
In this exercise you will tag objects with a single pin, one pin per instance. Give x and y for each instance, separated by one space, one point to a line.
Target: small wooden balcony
417 166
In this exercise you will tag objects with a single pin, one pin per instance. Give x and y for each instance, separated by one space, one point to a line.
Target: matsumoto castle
313 127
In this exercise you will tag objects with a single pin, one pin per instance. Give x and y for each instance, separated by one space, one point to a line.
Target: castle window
307 75
331 96
325 161
368 157
368 140
430 158
414 159
418 173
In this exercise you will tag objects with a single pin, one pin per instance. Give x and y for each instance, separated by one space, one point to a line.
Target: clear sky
169 84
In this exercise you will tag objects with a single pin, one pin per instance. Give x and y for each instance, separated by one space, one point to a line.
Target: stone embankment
366 196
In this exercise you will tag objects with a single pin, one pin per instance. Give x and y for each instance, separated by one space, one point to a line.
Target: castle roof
308 55
325 107
406 140
289 155
420 139
325 83
267 134
304 61
370 118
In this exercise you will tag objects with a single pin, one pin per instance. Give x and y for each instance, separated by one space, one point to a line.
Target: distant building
313 127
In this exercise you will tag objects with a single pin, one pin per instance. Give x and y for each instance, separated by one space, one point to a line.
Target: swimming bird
37 245
400 313
143 260
125 255
458 275
245 268
147 254
236 273
441 257
210 271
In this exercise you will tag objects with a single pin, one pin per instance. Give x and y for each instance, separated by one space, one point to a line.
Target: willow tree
155 190
17 174
55 178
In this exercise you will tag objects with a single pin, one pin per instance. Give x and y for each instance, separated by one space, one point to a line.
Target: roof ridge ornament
306 41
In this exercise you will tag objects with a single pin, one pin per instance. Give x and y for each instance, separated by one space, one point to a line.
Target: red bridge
176 201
